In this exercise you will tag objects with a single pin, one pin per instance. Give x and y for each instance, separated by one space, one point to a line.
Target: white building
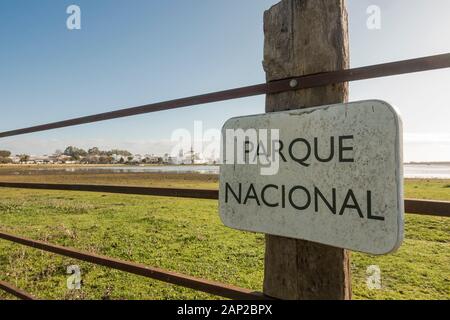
45 159
152 159
167 159
15 159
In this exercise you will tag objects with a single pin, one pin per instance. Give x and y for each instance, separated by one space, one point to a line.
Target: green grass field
186 236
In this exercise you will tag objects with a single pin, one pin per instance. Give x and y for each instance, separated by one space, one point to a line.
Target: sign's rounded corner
391 107
223 218
393 248
227 125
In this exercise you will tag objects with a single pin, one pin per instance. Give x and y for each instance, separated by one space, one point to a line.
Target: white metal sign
330 174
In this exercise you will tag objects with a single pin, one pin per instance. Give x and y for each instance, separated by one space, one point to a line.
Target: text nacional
330 174
301 198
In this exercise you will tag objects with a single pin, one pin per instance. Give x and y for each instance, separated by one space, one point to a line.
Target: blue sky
136 52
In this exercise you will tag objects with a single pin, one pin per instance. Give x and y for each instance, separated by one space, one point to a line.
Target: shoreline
416 171
161 165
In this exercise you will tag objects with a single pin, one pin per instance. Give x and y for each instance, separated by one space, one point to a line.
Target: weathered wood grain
304 37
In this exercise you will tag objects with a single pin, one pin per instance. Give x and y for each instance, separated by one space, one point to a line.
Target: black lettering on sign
251 194
343 148
301 150
308 196
263 196
316 150
300 198
248 148
347 205
318 194
369 208
301 161
264 151
278 150
229 189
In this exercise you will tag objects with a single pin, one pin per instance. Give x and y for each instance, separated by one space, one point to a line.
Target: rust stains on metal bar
302 82
422 207
149 108
211 287
15 291
163 192
428 207
370 72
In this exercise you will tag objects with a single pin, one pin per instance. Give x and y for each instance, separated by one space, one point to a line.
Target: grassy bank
186 236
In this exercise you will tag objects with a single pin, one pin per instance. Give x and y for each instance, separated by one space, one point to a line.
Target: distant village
74 155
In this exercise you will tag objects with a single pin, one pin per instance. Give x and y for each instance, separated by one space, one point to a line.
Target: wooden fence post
304 37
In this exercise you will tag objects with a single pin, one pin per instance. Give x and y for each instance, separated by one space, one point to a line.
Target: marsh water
417 171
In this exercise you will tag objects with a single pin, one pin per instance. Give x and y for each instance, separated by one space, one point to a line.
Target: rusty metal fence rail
414 206
211 287
18 293
290 84
424 207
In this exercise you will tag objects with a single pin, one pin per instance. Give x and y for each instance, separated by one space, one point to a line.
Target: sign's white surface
336 176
